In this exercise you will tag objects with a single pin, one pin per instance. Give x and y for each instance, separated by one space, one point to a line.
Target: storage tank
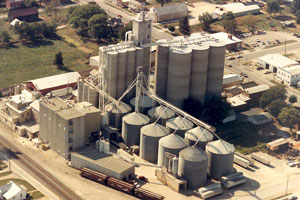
122 61
131 126
214 83
130 71
150 135
179 123
161 69
111 73
163 112
173 144
220 158
204 136
192 167
145 104
116 113
139 58
199 72
80 91
178 81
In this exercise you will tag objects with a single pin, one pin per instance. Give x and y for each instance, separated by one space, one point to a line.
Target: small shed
260 118
12 191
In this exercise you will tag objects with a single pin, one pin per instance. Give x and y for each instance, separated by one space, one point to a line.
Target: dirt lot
198 9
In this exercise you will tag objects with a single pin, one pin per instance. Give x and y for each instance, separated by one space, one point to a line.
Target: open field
22 62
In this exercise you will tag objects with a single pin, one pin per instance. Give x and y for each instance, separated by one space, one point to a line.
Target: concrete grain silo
163 112
139 58
150 135
130 71
214 83
161 69
179 123
192 166
116 113
111 73
121 80
220 158
80 91
172 144
179 69
199 72
204 136
145 104
146 65
131 127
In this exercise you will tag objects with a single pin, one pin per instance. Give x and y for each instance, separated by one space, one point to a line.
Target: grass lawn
35 195
19 182
5 174
243 135
23 62
2 165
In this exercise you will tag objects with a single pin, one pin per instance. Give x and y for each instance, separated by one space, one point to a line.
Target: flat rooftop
292 69
104 160
277 60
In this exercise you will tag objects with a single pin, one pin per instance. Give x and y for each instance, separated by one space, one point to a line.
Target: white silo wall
130 69
214 83
161 70
199 72
80 91
111 73
179 69
146 65
121 80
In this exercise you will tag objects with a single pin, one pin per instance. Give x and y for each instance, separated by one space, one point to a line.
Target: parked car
290 163
228 65
239 56
231 58
143 178
267 72
259 68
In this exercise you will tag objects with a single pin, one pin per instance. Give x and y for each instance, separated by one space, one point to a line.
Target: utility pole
285 46
287 184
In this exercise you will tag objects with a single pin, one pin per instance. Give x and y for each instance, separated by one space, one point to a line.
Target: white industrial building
168 12
289 75
231 42
12 191
273 62
238 9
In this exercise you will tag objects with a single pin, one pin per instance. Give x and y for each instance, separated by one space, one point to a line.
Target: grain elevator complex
132 107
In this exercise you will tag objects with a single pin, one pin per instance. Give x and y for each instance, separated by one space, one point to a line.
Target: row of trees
4 37
35 31
274 101
90 21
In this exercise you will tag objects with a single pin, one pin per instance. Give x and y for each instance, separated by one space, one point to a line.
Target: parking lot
196 9
268 39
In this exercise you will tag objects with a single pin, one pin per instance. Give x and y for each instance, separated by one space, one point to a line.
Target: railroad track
44 176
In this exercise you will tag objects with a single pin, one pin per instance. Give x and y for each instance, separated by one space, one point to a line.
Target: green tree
163 2
80 16
5 37
229 25
250 22
216 109
289 116
98 26
229 16
123 30
297 15
48 30
205 21
293 99
193 107
275 107
171 28
274 93
273 6
184 26
58 61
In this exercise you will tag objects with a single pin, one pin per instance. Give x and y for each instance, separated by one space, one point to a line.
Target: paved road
253 74
33 168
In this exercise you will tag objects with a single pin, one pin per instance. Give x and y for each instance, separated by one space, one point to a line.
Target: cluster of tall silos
118 64
87 93
191 69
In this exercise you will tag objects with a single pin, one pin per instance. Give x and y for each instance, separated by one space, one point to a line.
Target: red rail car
147 195
93 175
120 185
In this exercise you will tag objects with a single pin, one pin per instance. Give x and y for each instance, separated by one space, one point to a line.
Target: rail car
119 185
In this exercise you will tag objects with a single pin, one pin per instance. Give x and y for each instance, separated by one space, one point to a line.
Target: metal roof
199 133
155 130
171 9
193 154
118 108
220 147
172 141
230 78
144 101
160 111
136 118
256 89
224 37
54 81
175 122
277 60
